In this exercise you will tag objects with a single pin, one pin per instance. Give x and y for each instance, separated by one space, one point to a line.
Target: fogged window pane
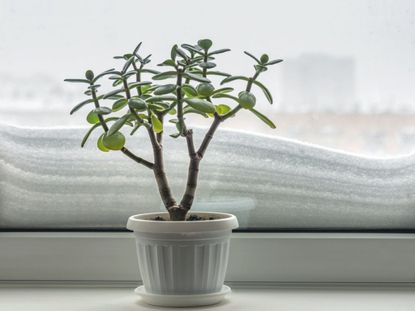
346 83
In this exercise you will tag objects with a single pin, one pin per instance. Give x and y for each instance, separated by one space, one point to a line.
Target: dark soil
191 217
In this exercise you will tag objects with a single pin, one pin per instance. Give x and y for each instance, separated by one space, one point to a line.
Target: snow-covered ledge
48 181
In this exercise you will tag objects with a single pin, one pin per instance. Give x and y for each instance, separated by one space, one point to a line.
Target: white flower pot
183 263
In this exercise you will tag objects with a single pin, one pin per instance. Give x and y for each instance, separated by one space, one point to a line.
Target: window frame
255 258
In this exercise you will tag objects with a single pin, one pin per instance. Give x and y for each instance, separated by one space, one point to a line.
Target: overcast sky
63 38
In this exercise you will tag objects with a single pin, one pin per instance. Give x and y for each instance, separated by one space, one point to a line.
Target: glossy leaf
161 98
189 109
137 103
207 65
197 78
102 110
232 78
100 144
222 109
119 104
189 90
275 61
247 100
219 51
80 105
264 58
157 125
84 140
92 117
107 72
128 64
165 89
263 118
89 74
200 105
112 93
77 81
118 124
218 73
173 52
165 75
267 93
140 83
252 56
136 127
115 141
205 89
168 62
205 44
223 90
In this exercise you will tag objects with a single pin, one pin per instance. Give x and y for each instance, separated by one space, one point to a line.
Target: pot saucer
182 300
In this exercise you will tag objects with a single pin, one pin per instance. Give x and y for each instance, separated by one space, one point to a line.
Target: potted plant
182 256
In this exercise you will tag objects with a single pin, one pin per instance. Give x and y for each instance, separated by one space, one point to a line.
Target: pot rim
143 223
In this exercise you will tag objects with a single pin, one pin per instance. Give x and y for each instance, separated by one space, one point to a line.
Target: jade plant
141 103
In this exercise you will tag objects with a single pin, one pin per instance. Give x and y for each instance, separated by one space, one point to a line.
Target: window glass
345 84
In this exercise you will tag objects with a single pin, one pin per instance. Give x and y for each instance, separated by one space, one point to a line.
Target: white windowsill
277 298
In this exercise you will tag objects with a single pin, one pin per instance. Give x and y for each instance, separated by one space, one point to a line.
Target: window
345 85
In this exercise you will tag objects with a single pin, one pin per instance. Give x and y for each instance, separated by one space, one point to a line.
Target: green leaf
106 72
273 62
115 141
192 48
136 127
173 52
119 104
80 105
267 93
224 95
165 89
137 103
165 75
189 109
172 111
137 48
200 105
252 56
264 58
181 53
118 124
197 78
205 89
205 44
112 93
84 140
189 90
218 73
219 52
89 74
139 83
77 81
128 64
232 78
157 125
156 107
263 118
247 100
100 144
102 110
154 72
168 62
161 98
92 117
223 90
222 109
207 65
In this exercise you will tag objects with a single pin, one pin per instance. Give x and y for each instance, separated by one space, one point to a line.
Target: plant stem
158 167
182 125
196 157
